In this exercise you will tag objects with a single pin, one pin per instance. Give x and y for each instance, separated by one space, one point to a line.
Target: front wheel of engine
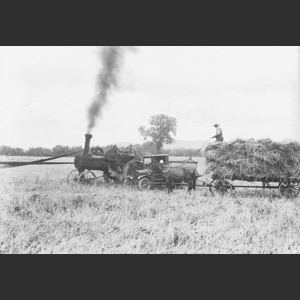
73 177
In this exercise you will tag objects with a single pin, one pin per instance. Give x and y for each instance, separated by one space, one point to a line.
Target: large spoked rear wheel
220 187
73 177
145 184
289 189
87 178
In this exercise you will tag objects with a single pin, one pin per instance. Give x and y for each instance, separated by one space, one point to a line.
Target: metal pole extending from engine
15 164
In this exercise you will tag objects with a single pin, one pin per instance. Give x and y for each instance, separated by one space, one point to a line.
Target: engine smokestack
88 138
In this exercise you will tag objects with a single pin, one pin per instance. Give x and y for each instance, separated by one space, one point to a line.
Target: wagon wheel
220 187
73 177
145 184
86 177
289 189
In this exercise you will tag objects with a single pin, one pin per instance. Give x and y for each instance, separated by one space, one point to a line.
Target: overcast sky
253 92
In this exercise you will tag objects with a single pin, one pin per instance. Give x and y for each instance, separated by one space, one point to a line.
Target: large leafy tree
160 131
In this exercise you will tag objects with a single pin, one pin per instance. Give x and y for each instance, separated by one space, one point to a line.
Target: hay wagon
269 165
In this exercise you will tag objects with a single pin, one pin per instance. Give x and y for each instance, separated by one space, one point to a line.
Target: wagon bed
287 187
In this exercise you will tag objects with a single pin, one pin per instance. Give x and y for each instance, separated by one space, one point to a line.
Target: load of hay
251 160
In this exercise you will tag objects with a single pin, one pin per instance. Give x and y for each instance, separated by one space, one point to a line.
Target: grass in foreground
42 214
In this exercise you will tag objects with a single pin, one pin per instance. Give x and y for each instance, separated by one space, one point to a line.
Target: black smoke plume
111 58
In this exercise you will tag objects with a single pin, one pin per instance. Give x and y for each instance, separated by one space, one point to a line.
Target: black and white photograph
150 150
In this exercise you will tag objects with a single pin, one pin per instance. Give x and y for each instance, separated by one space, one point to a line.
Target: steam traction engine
116 165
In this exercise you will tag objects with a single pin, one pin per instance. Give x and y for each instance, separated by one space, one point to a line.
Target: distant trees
6 150
39 151
184 152
61 150
148 148
160 132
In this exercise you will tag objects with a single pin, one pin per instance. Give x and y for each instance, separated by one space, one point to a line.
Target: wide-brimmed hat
216 124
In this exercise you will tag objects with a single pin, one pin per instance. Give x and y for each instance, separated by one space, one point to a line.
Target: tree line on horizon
148 148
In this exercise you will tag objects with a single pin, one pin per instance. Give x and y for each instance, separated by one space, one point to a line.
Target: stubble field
41 213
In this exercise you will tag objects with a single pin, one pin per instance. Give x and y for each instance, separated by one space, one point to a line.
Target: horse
179 174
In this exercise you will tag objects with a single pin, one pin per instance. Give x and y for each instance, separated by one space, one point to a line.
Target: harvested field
41 213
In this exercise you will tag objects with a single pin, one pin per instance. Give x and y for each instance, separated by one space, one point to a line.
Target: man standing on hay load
219 134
